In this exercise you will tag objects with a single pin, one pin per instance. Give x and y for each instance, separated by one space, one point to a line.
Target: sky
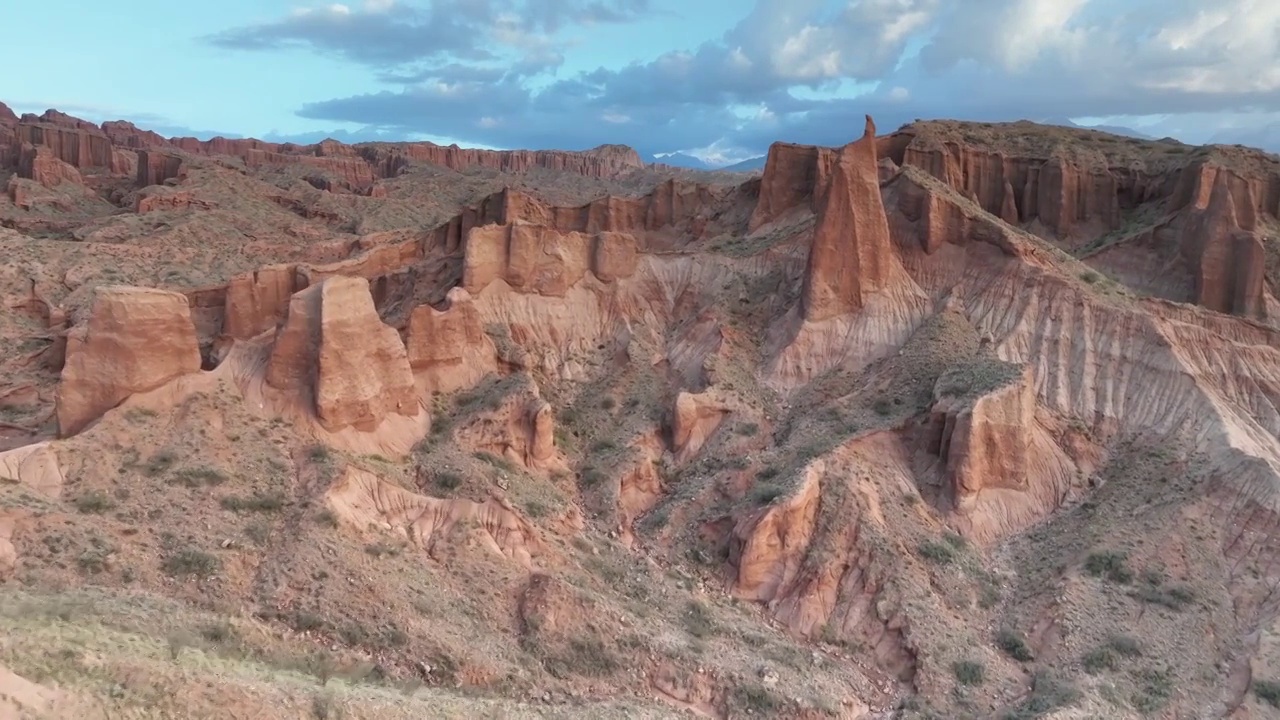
719 79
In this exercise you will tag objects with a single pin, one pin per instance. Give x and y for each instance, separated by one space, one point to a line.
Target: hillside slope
964 421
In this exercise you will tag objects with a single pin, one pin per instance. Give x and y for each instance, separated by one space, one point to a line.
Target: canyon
958 420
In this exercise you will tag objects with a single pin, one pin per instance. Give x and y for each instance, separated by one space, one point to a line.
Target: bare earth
961 421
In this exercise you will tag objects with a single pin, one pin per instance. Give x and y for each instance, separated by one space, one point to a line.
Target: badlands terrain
957 421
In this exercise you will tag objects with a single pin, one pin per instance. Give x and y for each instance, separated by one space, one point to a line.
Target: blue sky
720 78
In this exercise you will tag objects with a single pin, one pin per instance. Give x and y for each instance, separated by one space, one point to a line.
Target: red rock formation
255 302
7 116
939 215
984 438
155 167
449 349
335 351
1042 184
694 420
127 135
541 260
77 146
793 175
161 198
40 164
852 253
135 339
1228 262
614 256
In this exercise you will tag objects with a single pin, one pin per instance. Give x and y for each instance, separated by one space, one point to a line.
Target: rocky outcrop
157 198
255 302
1049 178
79 146
852 253
517 424
155 167
334 350
694 420
361 500
938 215
794 175
41 165
449 349
541 260
1227 258
35 467
981 428
135 340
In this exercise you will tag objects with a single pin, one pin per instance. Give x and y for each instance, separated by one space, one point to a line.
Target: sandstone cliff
134 339
333 349
851 255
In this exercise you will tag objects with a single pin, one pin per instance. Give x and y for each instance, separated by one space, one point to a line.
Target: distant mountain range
681 160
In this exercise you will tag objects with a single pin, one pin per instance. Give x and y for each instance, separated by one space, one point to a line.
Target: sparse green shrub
327 518
604 446
1090 277
698 620
303 621
940 553
441 425
1175 598
1109 565
257 502
955 540
592 476
318 454
1268 691
1012 644
94 503
220 632
969 672
588 657
191 561
199 476
608 403
500 463
258 532
1049 692
93 560
757 699
448 479
380 549
882 407
766 473
988 591
160 462
1098 660
748 429
766 493
1155 687
536 509
325 707
1125 645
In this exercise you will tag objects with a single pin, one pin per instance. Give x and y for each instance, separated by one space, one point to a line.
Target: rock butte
900 394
